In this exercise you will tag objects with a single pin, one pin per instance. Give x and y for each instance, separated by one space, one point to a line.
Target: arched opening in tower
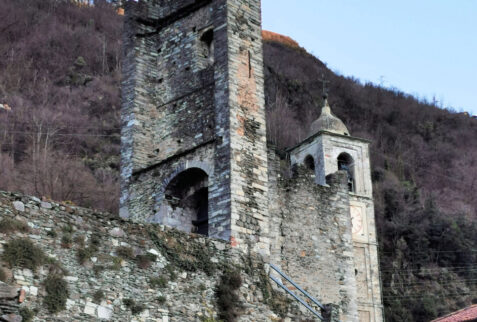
309 163
186 202
346 163
206 48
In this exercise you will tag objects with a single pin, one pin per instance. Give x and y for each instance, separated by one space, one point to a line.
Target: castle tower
330 148
193 136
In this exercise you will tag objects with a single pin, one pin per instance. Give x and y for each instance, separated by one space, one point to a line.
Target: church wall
311 237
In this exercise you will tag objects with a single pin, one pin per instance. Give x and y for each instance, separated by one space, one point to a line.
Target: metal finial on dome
325 90
327 121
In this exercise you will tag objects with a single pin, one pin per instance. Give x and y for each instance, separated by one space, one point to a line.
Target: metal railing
279 283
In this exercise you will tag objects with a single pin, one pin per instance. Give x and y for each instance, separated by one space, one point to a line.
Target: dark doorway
309 162
187 199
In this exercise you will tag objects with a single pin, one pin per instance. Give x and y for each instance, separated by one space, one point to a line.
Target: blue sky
427 48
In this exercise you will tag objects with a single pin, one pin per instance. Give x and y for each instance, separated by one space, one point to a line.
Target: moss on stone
189 256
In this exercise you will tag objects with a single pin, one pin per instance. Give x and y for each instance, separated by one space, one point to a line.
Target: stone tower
193 136
328 149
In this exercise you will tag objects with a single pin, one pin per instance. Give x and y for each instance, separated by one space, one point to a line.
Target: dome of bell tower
327 122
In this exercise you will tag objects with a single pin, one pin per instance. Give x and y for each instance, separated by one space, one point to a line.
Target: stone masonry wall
193 86
311 236
172 276
168 97
249 213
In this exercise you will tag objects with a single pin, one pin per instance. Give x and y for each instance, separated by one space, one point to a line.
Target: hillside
60 75
424 176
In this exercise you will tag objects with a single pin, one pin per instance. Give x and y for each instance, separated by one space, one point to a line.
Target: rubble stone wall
172 276
311 237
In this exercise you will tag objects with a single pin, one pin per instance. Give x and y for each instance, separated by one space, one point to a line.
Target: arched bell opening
186 201
346 163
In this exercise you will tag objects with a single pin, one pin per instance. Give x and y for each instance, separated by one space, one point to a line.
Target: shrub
83 254
227 298
125 252
160 282
98 296
68 229
26 314
116 266
56 293
98 269
51 233
66 240
95 239
55 267
79 240
144 261
135 308
171 271
8 225
23 253
161 299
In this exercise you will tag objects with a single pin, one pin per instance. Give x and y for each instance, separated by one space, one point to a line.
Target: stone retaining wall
171 276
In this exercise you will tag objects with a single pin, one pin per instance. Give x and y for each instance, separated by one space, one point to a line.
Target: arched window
186 198
206 48
309 162
346 163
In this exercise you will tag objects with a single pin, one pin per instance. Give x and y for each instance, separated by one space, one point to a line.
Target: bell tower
330 148
193 137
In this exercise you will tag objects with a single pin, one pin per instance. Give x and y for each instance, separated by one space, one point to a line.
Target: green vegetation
9 225
161 299
68 229
184 256
170 269
98 296
26 314
56 293
21 252
51 233
158 282
125 252
84 254
227 298
66 240
145 261
97 269
135 308
116 265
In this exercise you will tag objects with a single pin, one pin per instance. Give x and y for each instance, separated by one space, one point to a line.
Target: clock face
356 220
